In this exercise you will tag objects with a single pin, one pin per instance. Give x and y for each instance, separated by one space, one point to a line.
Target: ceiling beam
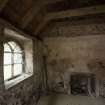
71 13
33 11
41 25
3 4
78 12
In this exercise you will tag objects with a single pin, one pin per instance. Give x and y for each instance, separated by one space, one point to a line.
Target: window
13 60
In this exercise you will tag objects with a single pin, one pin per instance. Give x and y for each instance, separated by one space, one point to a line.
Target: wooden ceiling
32 16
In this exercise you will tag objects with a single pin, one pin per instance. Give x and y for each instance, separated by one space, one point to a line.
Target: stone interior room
52 52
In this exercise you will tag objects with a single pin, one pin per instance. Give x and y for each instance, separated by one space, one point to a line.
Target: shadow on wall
61 65
97 66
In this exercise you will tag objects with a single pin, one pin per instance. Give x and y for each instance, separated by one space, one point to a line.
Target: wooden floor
61 99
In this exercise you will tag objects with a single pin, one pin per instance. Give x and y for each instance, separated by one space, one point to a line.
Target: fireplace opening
82 84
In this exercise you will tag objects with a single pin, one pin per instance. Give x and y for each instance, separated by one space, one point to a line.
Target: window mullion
12 60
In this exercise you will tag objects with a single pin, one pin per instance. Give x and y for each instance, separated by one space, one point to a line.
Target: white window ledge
11 83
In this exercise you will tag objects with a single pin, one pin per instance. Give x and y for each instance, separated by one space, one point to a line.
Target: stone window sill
11 83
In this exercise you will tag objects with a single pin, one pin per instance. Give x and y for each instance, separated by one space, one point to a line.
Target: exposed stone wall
19 95
84 54
1 59
27 91
38 64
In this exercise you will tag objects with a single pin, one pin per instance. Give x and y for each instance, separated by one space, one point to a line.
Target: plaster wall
67 55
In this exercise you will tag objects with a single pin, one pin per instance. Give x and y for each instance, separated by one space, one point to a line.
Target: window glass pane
12 44
7 58
17 69
17 58
7 48
18 49
12 57
7 72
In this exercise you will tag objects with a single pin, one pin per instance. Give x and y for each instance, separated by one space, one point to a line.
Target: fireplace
83 84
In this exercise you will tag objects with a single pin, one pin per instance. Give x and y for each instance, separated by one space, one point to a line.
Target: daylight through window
13 60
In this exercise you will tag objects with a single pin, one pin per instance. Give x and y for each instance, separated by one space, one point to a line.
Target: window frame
12 59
